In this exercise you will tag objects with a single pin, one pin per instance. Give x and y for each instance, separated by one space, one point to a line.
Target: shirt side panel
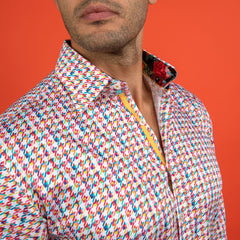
191 160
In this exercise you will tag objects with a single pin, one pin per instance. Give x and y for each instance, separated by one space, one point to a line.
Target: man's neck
125 65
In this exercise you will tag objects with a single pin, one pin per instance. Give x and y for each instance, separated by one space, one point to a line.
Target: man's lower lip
98 16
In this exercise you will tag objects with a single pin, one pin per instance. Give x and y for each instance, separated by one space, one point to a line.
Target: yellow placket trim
148 135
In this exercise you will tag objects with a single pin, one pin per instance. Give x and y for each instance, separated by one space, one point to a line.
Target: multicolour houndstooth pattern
75 162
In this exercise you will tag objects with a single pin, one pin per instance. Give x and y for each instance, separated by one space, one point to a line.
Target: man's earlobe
152 1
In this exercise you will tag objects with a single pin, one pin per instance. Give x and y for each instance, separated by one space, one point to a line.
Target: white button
117 86
181 215
141 122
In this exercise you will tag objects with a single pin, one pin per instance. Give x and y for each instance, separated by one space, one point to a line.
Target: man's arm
20 218
218 221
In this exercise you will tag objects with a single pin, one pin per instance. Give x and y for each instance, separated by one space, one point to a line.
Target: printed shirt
79 161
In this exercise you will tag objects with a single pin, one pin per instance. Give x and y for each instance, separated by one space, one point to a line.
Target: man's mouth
95 13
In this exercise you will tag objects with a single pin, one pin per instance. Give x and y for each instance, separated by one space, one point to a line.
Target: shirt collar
84 81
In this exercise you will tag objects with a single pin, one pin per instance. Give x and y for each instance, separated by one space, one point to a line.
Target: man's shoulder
184 99
30 108
188 107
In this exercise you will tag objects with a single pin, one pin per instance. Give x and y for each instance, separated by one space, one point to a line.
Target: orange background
200 38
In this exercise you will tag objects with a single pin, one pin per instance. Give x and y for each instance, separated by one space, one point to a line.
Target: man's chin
101 44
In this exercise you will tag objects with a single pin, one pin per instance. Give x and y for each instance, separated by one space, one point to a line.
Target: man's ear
152 1
56 2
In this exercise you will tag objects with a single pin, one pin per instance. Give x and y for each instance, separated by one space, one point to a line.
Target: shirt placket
123 91
163 119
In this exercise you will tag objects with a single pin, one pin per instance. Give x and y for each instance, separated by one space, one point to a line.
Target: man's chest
96 174
107 182
104 176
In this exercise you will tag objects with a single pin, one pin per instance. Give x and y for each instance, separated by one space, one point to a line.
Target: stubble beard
107 41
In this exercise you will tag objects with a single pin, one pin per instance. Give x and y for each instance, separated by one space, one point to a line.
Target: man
107 146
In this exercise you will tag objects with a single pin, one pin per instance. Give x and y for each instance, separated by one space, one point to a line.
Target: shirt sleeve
218 227
20 218
218 220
